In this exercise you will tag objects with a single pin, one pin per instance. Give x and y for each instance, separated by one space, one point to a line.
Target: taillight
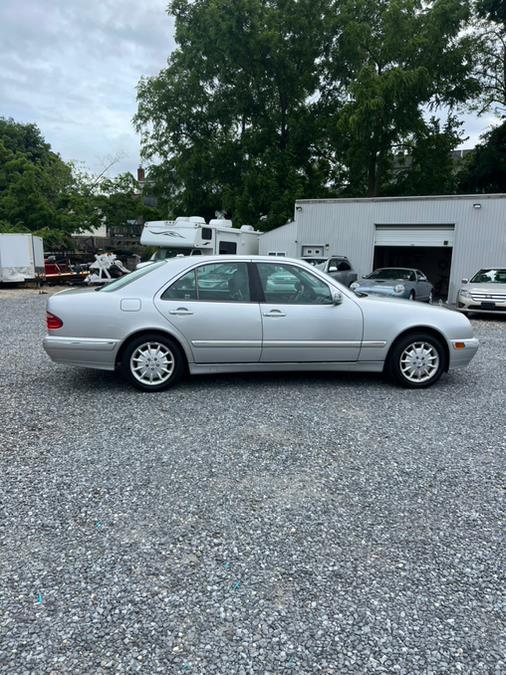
53 322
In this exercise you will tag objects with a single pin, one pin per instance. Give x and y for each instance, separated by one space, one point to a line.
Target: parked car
338 267
486 292
162 320
399 282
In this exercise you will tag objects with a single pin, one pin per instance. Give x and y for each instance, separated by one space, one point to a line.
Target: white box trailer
21 258
193 236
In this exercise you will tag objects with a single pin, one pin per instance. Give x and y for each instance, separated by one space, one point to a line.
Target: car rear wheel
417 361
152 363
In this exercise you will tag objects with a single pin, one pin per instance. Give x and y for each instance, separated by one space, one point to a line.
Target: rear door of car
212 306
301 323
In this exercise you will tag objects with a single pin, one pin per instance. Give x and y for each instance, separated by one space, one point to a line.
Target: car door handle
274 314
181 311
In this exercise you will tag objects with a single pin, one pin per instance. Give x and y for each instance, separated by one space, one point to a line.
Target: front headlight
399 288
464 293
354 286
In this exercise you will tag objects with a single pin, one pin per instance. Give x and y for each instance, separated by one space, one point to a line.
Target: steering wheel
303 292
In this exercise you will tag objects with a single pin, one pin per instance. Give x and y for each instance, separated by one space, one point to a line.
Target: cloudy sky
72 66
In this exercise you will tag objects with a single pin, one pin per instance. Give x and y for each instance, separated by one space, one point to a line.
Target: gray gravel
266 524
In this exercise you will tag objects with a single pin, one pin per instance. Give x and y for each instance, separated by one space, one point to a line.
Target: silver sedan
400 282
223 314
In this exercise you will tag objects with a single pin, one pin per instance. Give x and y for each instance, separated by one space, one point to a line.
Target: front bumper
382 291
97 353
470 304
462 351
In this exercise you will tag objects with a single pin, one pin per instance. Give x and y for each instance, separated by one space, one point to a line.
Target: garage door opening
434 262
428 248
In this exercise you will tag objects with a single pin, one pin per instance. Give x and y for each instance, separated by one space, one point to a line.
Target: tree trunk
373 176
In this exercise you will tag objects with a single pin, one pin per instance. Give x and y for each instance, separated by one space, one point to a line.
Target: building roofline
368 200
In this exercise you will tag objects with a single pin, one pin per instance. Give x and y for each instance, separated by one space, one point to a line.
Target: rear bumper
461 356
85 352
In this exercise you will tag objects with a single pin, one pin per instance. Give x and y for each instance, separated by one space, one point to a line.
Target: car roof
395 267
186 261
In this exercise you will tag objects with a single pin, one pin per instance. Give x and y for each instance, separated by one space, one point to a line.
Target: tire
152 362
411 368
412 296
431 298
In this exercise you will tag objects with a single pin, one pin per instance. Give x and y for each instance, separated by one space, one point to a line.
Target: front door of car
424 286
211 306
301 322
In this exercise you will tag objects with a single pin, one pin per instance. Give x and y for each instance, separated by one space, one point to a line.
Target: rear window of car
129 278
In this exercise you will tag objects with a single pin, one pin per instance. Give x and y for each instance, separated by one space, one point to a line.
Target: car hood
381 283
485 288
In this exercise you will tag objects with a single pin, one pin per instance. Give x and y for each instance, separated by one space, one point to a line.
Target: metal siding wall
281 239
348 227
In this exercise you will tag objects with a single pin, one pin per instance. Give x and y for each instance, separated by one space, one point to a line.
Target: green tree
491 55
120 202
485 167
427 166
39 192
232 116
391 60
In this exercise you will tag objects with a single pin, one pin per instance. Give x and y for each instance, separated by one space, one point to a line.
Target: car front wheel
152 363
417 361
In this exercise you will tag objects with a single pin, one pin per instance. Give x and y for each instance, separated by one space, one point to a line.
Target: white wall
347 227
281 240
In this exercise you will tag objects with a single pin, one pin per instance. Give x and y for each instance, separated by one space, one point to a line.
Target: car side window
185 288
291 285
412 276
216 282
344 266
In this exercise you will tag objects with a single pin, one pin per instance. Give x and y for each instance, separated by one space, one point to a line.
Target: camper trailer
193 236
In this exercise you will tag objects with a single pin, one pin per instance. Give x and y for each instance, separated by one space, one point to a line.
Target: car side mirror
337 298
465 281
333 269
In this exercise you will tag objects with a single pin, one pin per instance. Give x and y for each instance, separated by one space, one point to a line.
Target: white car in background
486 292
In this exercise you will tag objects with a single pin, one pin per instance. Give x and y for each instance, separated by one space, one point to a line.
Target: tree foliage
491 55
267 101
485 168
41 193
231 116
393 60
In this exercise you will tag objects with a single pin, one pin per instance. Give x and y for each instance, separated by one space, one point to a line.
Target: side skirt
348 366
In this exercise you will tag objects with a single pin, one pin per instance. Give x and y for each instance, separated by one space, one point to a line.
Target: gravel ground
249 524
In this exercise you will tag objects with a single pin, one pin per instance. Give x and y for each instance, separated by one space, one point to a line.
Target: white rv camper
21 258
193 236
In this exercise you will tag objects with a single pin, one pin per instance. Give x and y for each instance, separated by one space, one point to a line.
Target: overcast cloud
72 66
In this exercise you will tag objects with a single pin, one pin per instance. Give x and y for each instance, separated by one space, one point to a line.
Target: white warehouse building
447 237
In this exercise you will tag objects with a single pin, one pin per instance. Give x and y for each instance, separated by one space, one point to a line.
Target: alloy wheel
419 362
152 363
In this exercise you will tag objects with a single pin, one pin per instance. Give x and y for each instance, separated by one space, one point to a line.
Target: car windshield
490 276
128 278
392 273
315 261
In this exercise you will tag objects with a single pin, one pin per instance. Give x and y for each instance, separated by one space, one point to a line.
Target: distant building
447 237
